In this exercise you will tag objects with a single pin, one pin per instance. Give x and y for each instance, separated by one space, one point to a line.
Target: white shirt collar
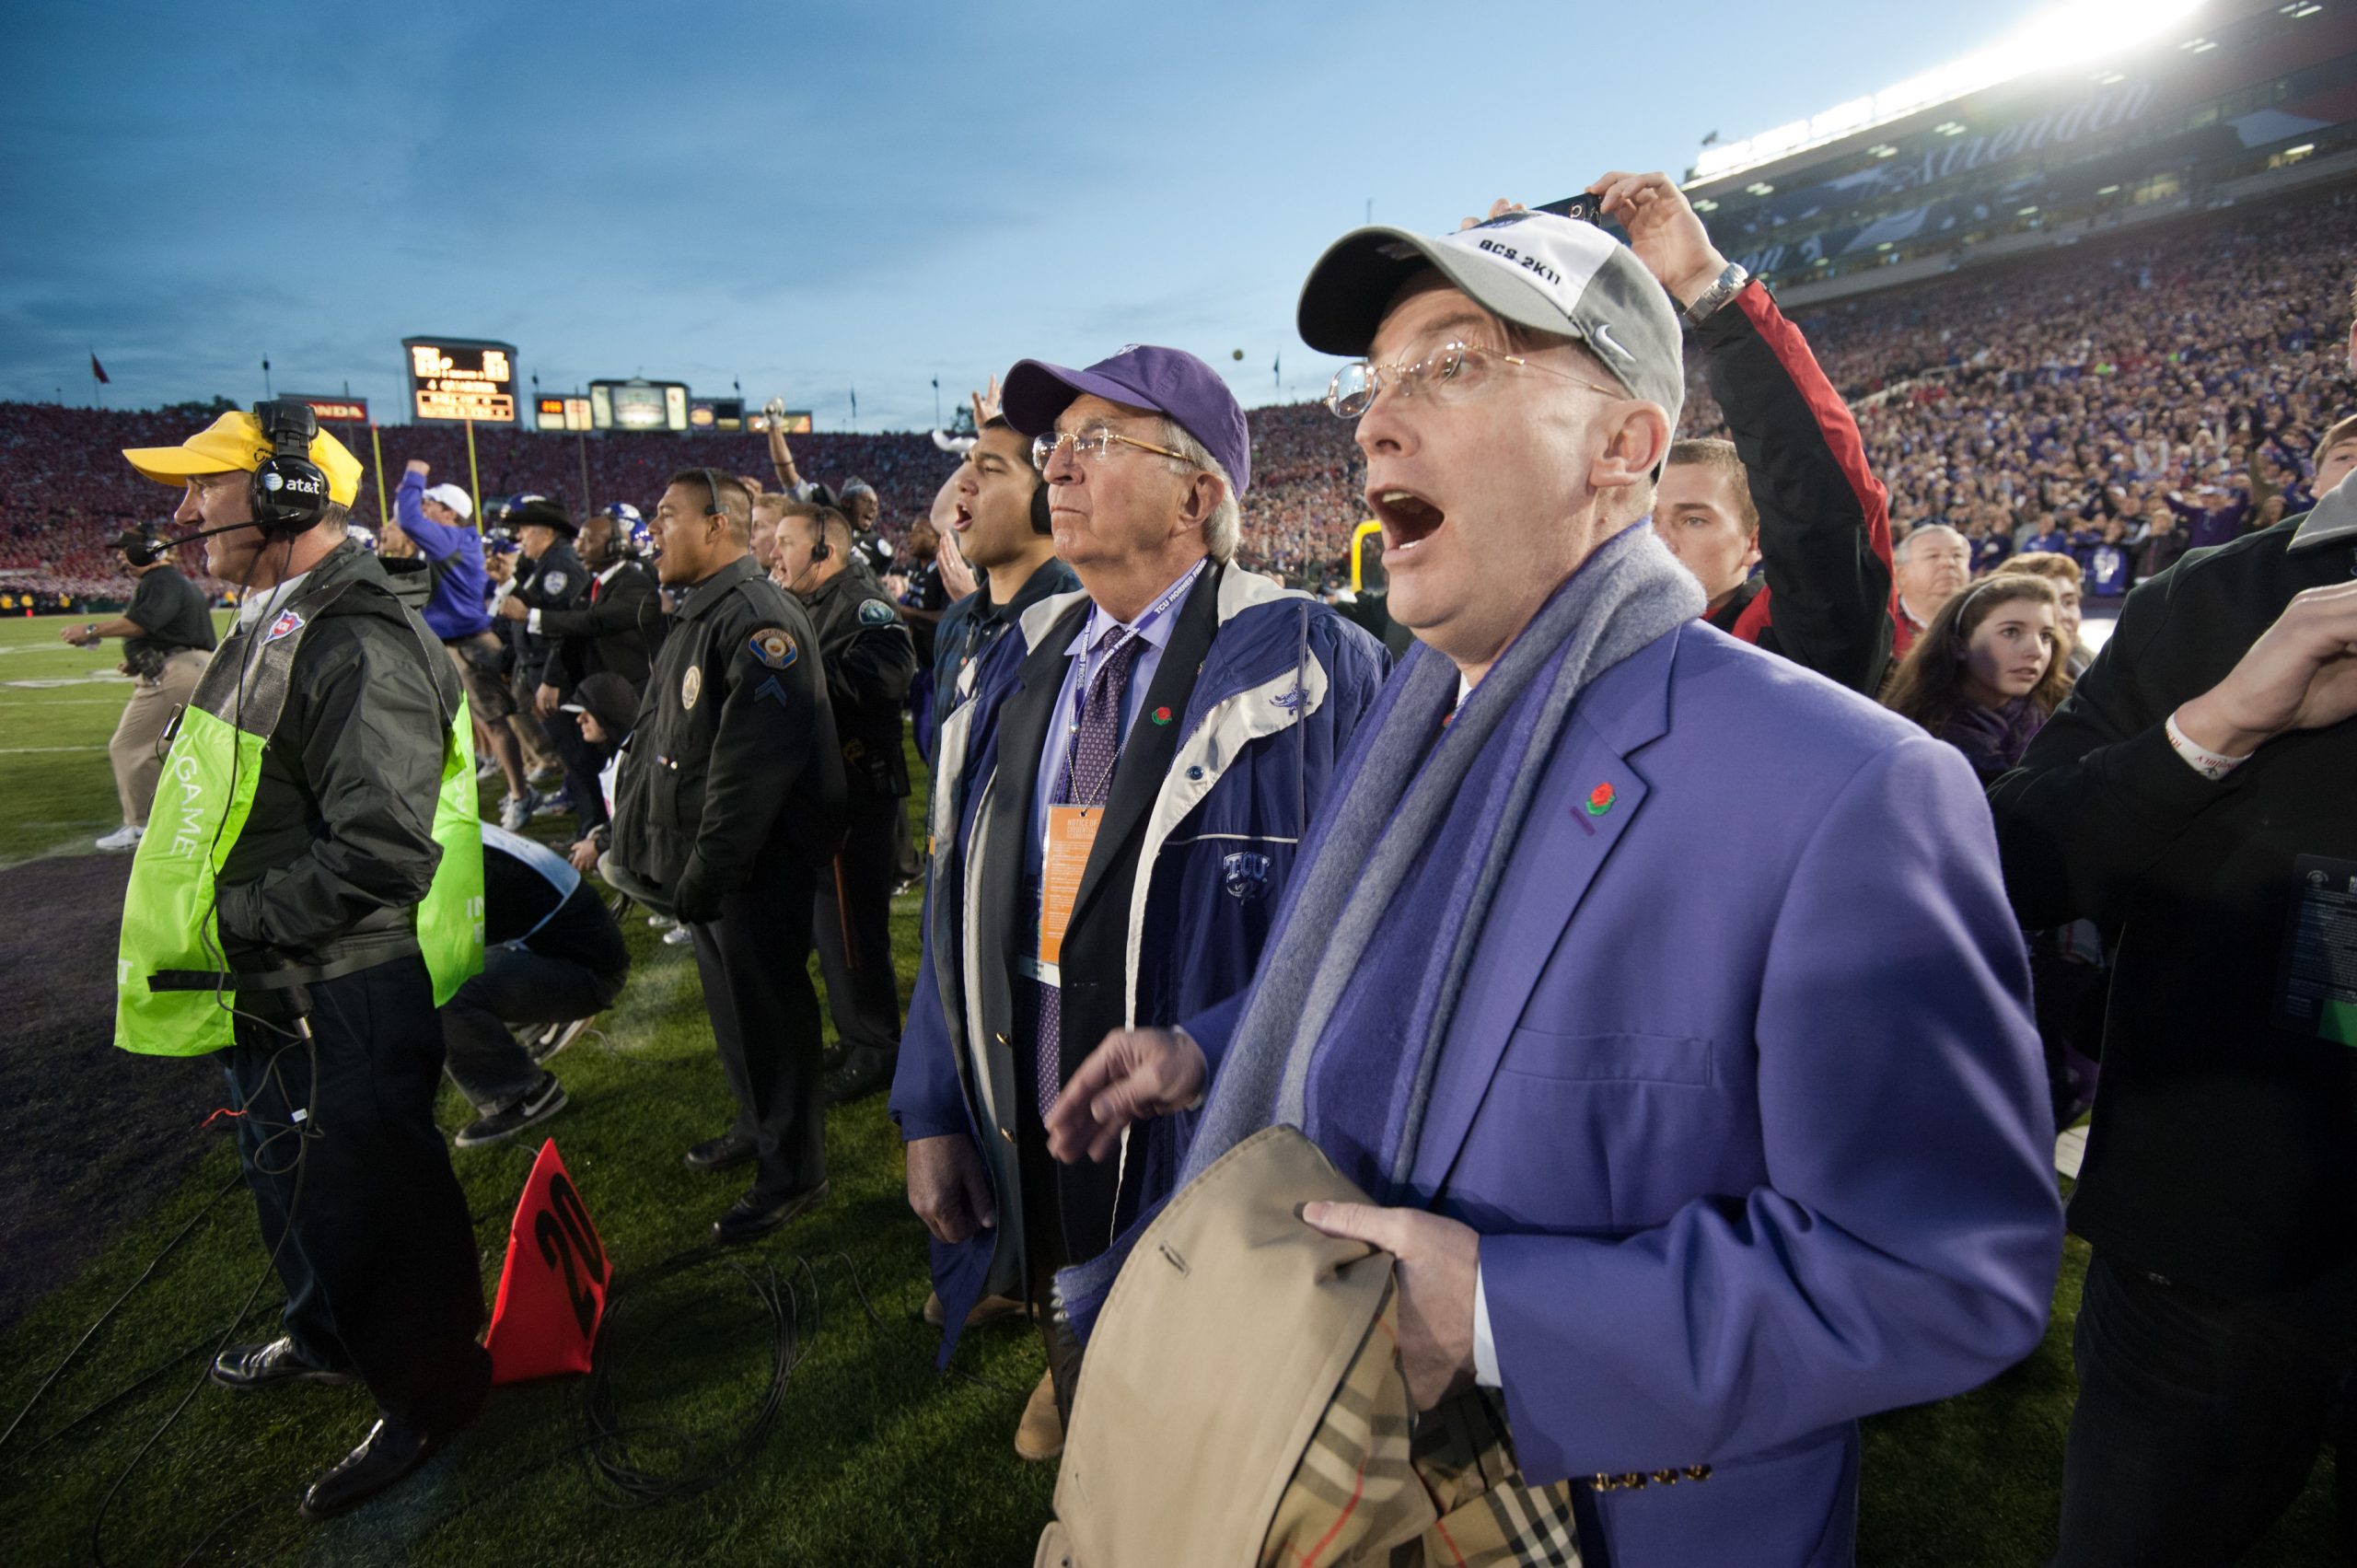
256 605
1155 623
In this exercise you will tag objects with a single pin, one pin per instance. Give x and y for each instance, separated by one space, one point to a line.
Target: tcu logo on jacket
1245 875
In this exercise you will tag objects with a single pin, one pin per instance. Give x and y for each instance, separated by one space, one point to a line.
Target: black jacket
733 757
339 847
1823 595
615 628
869 662
2223 1153
556 582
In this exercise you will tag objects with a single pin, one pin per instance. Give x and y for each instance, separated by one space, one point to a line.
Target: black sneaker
533 1108
556 1036
264 1366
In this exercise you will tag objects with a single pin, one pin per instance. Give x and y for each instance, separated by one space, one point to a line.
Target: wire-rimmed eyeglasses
1097 441
1452 366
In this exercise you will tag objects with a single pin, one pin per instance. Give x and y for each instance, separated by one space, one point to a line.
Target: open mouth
964 518
1407 518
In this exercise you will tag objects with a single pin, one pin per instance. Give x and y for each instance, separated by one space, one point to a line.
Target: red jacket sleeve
1824 517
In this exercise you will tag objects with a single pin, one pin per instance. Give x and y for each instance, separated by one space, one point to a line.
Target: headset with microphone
288 493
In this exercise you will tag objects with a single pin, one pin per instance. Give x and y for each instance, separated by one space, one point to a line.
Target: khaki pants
138 749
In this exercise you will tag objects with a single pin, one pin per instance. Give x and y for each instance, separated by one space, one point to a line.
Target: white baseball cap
1538 270
450 496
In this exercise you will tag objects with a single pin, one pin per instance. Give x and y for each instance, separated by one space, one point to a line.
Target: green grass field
876 1459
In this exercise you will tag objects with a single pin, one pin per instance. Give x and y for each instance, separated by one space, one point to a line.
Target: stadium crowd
2187 372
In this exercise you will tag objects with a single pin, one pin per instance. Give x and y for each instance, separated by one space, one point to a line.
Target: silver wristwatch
1730 283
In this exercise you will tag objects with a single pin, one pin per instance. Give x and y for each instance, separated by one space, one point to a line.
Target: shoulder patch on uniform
773 645
876 612
556 582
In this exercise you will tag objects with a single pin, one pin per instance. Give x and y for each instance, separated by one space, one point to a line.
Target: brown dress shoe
990 1309
1040 1433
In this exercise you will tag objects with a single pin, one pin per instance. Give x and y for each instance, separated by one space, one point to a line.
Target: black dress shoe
260 1366
384 1457
754 1216
863 1072
719 1154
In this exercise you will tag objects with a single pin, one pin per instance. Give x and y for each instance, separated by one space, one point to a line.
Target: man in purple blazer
1662 996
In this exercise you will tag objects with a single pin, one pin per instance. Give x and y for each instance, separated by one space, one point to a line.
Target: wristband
2211 765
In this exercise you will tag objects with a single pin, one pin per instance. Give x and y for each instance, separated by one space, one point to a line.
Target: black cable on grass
620 1475
108 1316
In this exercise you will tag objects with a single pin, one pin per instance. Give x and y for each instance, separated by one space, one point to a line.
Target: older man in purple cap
1115 812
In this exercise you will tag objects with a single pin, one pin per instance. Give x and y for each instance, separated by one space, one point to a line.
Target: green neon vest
168 916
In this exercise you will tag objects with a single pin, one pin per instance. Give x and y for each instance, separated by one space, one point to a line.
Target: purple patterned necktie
1087 780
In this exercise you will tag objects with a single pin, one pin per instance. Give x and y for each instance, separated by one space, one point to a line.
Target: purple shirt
460 584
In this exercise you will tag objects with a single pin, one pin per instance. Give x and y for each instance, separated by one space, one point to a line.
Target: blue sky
813 196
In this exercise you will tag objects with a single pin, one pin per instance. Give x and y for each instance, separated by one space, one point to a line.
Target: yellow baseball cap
235 441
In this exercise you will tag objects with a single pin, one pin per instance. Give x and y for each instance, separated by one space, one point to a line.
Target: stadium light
2071 35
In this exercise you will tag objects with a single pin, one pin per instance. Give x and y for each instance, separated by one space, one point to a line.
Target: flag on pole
1277 370
99 372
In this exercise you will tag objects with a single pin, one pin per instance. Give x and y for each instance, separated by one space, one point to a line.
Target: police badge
555 583
690 687
1245 875
876 612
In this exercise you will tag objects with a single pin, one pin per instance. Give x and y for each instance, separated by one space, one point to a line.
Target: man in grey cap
1687 1160
1116 808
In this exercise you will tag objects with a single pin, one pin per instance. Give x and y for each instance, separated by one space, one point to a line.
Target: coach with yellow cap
313 857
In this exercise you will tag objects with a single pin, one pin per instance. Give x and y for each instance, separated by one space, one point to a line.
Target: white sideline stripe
2070 1151
27 751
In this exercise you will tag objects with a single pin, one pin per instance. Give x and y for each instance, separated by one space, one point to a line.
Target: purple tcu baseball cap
1169 381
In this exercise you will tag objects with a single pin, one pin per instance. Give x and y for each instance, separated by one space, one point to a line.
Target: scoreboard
461 378
638 404
710 415
563 413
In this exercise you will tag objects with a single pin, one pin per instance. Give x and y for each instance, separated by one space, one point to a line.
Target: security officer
312 888
869 661
612 626
553 577
728 808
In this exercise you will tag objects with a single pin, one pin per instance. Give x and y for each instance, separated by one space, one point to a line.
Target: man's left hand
583 854
544 700
513 609
1438 1259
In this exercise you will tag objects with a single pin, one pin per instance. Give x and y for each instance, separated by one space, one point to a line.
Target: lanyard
1135 628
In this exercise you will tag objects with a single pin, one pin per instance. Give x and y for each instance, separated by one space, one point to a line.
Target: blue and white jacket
1282 686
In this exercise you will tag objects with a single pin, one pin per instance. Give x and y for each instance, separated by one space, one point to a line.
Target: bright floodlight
2066 36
